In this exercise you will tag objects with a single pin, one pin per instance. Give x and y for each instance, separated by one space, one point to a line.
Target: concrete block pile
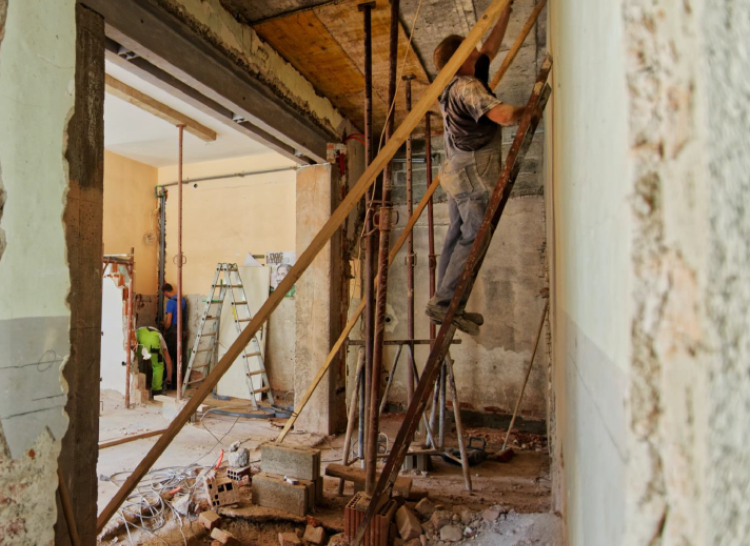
289 480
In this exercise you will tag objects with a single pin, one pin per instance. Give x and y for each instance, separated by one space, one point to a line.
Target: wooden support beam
516 47
357 476
133 438
338 217
122 91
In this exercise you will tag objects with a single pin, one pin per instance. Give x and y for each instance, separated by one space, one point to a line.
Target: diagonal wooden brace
306 258
500 197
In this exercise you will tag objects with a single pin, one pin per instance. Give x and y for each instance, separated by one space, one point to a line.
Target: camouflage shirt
464 104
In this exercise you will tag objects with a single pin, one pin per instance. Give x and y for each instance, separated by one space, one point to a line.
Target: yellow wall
130 214
223 220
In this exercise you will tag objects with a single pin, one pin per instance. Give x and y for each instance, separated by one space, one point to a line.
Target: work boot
476 318
437 314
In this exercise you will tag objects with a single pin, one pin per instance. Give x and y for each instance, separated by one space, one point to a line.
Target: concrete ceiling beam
165 42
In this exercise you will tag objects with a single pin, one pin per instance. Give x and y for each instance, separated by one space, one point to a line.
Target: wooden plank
357 477
122 91
133 438
339 216
513 51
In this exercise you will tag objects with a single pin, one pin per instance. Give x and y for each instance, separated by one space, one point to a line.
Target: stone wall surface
37 70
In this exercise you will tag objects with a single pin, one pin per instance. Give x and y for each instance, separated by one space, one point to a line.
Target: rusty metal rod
178 364
369 235
410 257
448 365
129 330
432 257
384 226
352 413
528 373
499 199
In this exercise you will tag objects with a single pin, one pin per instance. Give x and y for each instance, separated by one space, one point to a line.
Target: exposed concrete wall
490 368
37 70
589 192
318 301
131 217
223 221
243 43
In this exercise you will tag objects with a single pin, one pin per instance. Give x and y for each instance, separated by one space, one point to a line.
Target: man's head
168 290
445 50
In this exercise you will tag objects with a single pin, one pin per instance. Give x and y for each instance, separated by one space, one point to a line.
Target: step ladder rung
244 320
250 355
204 350
256 372
239 303
261 390
227 285
201 380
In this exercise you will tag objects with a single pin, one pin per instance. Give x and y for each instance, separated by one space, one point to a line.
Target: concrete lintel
168 43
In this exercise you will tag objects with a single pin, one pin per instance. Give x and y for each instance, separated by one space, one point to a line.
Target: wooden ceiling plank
122 91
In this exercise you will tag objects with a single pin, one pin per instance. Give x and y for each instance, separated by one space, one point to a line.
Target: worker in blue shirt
170 325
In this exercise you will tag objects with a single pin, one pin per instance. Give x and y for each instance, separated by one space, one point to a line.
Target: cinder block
294 462
314 535
272 491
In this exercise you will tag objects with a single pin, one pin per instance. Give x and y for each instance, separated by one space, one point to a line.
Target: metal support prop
410 257
129 329
369 236
352 413
448 367
499 199
304 260
178 364
162 197
384 226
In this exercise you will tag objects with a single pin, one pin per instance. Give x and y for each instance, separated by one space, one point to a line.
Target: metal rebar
432 258
162 254
178 364
384 225
129 330
369 269
352 413
410 257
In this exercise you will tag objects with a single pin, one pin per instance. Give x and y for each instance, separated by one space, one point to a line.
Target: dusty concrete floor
521 486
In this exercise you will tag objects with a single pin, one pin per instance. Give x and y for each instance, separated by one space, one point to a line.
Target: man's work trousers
467 178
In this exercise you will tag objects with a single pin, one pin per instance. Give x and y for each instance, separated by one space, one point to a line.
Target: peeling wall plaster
209 17
37 68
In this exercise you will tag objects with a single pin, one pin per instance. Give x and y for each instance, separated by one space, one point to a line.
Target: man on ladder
170 322
471 116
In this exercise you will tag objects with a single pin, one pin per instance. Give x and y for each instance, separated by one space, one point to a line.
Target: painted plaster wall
589 191
37 69
243 41
223 220
131 217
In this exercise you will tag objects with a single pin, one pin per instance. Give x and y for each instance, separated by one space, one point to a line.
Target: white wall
589 222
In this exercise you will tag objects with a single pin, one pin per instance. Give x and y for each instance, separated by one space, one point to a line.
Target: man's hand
491 45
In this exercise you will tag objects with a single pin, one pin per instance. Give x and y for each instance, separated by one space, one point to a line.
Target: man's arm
491 45
167 358
167 321
506 114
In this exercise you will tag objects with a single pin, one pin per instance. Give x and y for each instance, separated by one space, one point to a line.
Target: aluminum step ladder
227 280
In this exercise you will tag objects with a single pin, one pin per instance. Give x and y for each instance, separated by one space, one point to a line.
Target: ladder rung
239 303
206 365
249 355
216 301
204 350
211 317
244 320
227 285
256 372
262 389
196 381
